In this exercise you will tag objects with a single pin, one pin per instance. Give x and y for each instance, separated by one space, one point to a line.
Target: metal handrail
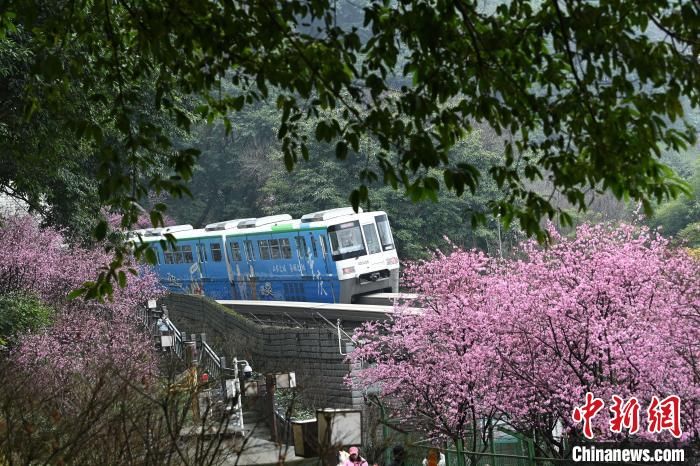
211 362
208 357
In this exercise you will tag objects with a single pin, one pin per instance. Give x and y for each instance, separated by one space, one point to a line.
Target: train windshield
385 232
346 240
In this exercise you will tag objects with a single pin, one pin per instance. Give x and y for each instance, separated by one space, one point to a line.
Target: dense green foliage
60 148
242 175
681 217
584 94
41 161
22 313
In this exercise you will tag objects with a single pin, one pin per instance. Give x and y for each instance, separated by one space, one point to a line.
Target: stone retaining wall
312 353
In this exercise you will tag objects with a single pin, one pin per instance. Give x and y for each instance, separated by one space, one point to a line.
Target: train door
199 267
216 282
302 266
238 267
327 275
250 261
202 257
269 267
325 254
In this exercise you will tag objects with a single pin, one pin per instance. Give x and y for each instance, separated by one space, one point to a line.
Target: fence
502 447
169 338
507 451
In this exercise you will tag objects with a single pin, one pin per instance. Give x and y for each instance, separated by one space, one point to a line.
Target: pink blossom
87 337
613 311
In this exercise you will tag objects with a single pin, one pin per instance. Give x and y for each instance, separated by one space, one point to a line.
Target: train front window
346 240
385 232
371 237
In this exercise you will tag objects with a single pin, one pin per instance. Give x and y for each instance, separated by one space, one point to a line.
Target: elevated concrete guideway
310 311
386 299
378 306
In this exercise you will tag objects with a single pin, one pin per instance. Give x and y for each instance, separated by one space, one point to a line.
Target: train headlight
348 270
392 261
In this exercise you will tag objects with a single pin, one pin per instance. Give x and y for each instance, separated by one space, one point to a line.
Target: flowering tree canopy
87 336
613 311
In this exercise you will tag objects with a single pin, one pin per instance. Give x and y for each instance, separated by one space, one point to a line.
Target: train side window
275 249
168 256
187 256
264 249
215 252
322 240
286 248
236 251
202 253
249 250
301 247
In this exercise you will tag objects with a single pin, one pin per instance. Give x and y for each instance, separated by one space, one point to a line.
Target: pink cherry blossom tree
612 311
87 336
87 389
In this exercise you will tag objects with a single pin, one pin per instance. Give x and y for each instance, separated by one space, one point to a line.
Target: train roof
227 224
329 214
248 226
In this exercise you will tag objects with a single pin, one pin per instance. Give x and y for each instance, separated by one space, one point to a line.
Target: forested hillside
242 174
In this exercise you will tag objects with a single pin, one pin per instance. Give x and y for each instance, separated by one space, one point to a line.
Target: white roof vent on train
154 231
329 214
175 229
226 224
135 233
256 222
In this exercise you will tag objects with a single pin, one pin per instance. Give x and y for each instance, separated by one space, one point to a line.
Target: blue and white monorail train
329 256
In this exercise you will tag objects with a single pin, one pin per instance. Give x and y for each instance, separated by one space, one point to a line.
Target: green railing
512 452
503 447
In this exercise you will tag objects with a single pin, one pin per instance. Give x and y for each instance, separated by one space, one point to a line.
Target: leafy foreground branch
584 94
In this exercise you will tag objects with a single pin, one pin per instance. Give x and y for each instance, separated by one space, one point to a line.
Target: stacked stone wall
312 353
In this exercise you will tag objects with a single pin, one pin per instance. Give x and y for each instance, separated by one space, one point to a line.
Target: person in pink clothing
355 459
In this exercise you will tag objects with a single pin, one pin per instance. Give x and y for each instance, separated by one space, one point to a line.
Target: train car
330 256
